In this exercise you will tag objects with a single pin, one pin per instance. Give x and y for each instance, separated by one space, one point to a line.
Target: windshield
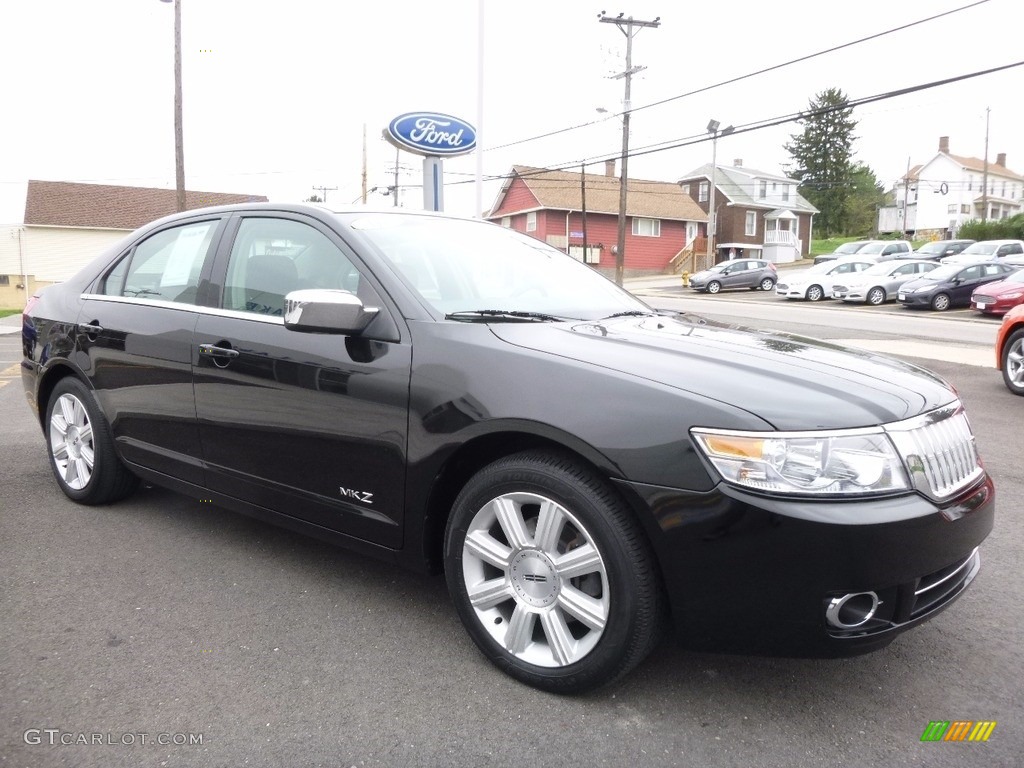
880 269
466 266
930 248
981 249
944 272
848 248
1016 277
871 248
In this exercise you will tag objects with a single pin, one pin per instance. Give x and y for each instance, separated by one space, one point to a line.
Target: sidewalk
10 324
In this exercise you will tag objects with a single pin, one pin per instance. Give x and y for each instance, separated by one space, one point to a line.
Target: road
162 615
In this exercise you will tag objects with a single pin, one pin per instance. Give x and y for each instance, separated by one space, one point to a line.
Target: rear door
309 425
135 331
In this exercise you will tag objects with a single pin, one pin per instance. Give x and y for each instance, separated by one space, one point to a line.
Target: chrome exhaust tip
853 610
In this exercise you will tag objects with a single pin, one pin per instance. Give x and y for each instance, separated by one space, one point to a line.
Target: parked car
951 285
1000 297
815 283
938 249
1010 350
986 250
846 249
880 283
455 396
738 273
884 250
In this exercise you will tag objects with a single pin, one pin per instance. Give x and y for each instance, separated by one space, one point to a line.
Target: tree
313 199
867 195
823 158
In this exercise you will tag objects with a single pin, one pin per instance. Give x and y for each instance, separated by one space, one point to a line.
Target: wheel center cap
74 442
534 578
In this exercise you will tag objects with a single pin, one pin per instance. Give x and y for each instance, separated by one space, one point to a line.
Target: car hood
792 382
999 287
924 282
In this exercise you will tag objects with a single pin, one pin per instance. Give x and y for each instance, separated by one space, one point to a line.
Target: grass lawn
9 312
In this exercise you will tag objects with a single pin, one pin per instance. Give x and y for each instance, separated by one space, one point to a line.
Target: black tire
767 284
815 293
559 632
84 462
713 287
876 296
1012 362
941 302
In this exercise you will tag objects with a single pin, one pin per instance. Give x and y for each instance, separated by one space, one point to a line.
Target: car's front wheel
1012 362
81 448
941 302
550 574
815 293
876 296
713 287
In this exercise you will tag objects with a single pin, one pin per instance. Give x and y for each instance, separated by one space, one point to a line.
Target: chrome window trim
182 307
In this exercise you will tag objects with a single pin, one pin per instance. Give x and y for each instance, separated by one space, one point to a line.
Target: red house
564 207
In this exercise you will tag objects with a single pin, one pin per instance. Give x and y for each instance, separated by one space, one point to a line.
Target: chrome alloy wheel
535 579
1014 363
71 442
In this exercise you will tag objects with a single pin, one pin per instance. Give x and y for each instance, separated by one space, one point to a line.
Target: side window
165 266
973 273
906 269
993 269
272 257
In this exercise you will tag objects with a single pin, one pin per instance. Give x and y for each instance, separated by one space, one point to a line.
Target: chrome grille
939 451
939 587
984 300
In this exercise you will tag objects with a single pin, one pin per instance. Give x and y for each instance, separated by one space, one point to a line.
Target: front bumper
791 291
915 299
750 574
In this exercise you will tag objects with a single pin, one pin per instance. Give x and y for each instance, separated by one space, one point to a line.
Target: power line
737 79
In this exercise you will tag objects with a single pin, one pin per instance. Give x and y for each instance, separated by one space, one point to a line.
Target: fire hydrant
686 279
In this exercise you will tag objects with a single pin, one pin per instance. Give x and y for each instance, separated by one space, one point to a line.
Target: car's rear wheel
876 296
815 293
81 448
714 286
1012 362
550 574
767 284
941 302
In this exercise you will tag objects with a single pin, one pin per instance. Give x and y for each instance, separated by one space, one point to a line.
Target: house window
506 221
970 183
647 227
685 188
951 208
5 279
750 225
702 192
763 191
965 208
531 221
1004 189
774 187
785 192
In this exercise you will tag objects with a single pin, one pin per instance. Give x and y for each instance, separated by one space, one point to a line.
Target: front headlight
805 463
923 289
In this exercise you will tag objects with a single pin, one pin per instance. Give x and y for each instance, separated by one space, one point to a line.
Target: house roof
977 164
70 204
561 190
734 181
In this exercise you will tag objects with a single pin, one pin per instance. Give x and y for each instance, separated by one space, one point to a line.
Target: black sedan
451 395
951 285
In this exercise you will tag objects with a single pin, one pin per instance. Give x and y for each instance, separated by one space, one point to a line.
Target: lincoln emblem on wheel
589 473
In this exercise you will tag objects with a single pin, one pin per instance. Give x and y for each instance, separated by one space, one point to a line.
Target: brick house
934 199
67 224
549 205
760 215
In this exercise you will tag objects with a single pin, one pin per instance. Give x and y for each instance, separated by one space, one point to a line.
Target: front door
309 425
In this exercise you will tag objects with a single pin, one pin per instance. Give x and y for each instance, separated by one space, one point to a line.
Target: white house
936 198
67 224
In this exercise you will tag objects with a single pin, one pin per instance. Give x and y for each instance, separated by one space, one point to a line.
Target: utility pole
323 192
179 138
395 201
630 27
906 198
984 178
583 208
364 163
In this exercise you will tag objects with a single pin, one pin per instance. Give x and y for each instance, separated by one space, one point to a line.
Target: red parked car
999 297
1010 350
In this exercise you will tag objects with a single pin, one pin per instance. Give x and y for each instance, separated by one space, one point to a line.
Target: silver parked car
736 273
880 283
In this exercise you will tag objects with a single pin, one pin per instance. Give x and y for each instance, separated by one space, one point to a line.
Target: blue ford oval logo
432 133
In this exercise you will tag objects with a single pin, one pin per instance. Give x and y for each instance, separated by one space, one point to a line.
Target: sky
276 95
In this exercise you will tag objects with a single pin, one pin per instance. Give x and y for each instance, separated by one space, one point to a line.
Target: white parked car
880 283
986 250
883 250
816 283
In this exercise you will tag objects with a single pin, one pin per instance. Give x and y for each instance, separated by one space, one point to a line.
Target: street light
712 214
179 141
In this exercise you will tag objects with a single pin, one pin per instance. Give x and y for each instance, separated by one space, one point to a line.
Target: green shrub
1002 229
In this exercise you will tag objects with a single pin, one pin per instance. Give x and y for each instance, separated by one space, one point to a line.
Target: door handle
212 350
90 329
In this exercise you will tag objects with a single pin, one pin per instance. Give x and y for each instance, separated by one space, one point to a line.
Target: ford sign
432 134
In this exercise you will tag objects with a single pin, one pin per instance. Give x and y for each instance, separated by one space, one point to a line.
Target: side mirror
319 310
